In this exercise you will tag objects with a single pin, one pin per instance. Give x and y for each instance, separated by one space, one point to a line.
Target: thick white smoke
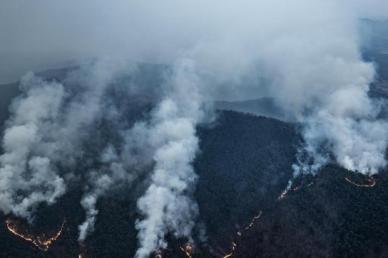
325 88
47 127
27 175
304 54
166 205
307 57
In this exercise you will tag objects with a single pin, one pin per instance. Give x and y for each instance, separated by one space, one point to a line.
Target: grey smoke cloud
166 204
304 54
40 34
27 175
47 128
375 9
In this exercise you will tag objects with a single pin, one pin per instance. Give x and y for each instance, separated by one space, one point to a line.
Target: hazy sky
302 53
40 33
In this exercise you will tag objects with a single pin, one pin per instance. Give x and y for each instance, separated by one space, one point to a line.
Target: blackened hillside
244 164
329 218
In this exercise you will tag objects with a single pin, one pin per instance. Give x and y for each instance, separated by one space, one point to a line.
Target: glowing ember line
82 250
290 188
283 194
158 254
187 250
371 182
240 233
252 222
234 247
42 242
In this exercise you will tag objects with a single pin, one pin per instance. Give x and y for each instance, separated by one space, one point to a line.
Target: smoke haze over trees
144 79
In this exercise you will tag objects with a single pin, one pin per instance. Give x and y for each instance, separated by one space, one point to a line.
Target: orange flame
240 233
234 247
158 254
82 250
187 249
43 242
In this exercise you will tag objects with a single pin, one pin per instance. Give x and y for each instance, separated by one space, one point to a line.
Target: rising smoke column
166 204
123 153
340 122
100 184
27 174
318 77
111 173
48 126
304 52
98 79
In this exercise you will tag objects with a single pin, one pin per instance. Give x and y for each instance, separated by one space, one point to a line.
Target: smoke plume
112 172
304 54
27 175
166 205
47 127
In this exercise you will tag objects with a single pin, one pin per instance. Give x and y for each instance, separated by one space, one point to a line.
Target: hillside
243 166
240 171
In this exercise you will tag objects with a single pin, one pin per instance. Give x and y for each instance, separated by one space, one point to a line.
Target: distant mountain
260 107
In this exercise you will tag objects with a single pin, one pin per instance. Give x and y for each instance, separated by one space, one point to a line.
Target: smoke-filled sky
42 33
304 54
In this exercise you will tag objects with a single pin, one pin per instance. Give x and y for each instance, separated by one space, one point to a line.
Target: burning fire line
294 189
234 248
240 233
43 242
288 189
258 216
158 254
371 182
82 248
187 249
283 194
